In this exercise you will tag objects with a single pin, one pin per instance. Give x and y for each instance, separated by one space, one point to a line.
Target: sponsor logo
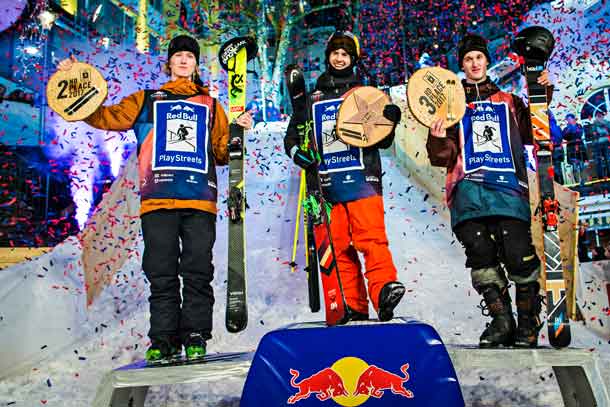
158 95
232 50
350 381
371 178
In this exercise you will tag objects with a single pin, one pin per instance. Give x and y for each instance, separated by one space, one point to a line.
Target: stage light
96 13
47 19
31 50
105 41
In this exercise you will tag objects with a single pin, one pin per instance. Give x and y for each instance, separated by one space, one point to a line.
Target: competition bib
486 138
180 136
485 130
336 155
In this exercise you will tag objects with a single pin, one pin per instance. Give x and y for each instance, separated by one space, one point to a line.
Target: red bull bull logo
324 384
350 382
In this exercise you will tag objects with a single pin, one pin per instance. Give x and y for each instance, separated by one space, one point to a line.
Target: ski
317 210
233 57
311 265
182 360
535 45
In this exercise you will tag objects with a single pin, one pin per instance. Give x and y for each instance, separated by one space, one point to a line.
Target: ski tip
560 337
236 326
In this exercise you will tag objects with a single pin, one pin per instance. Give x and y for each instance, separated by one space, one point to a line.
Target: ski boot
353 315
389 297
163 349
194 346
529 305
501 330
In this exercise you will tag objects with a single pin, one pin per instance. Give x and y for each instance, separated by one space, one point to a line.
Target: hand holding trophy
76 90
436 98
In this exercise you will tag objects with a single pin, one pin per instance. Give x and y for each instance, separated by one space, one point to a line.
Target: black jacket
329 87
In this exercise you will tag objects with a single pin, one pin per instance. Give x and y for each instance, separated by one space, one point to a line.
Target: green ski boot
194 346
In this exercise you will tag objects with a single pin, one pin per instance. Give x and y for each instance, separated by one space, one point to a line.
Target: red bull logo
324 384
350 382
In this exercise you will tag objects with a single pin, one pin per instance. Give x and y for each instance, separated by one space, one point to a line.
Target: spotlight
96 13
47 19
31 50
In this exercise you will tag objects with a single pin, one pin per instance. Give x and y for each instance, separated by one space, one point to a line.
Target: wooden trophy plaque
436 93
77 93
360 121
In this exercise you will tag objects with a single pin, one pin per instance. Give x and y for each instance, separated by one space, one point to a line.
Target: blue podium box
398 363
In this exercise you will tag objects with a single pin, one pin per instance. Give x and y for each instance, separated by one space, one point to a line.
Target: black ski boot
352 315
529 305
164 348
389 297
501 330
194 346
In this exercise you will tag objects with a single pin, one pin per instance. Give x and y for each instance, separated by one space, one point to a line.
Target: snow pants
490 241
358 226
179 242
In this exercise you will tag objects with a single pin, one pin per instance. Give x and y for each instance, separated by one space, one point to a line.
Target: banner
111 235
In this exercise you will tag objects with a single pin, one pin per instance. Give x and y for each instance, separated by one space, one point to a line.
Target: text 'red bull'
374 380
324 384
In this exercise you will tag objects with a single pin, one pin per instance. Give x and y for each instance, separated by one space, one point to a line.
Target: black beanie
183 43
342 40
472 42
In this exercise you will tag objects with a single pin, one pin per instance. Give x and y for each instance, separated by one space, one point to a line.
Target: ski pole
295 241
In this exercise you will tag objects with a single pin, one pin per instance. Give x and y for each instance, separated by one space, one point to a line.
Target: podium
400 362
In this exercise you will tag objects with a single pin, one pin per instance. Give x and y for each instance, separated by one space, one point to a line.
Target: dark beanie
472 42
343 40
183 43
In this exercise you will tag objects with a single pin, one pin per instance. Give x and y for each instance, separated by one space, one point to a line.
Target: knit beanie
343 40
472 42
183 43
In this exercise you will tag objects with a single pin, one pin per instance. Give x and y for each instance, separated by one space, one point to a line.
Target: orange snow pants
358 226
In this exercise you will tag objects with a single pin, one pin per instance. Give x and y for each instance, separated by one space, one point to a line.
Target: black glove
392 113
303 158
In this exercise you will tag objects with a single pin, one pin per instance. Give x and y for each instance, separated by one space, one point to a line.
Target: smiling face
339 59
182 64
474 66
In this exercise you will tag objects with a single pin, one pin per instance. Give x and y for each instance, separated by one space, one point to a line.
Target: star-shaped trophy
361 122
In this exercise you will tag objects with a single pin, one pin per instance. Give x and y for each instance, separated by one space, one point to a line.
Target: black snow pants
490 241
179 242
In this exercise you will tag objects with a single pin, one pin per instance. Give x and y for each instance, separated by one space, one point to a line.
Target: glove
303 158
392 113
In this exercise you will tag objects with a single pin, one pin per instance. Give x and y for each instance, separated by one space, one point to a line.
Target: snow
429 260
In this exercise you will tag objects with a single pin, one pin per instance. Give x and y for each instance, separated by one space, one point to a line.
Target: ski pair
233 57
535 45
316 209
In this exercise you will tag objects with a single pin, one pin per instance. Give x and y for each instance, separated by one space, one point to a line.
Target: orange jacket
123 115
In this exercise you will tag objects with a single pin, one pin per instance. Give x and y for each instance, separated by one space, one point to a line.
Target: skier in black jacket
351 181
